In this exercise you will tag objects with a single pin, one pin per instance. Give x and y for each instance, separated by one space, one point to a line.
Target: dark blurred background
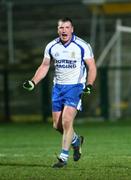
27 26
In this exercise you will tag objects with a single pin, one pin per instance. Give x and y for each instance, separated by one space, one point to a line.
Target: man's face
65 30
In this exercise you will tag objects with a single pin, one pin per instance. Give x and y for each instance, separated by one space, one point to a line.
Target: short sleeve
88 53
47 52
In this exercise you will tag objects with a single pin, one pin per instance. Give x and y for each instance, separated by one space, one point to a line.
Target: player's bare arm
92 71
41 71
39 75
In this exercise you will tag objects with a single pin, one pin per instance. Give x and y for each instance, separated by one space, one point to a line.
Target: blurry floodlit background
25 29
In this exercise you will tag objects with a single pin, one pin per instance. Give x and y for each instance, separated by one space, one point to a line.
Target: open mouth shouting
64 37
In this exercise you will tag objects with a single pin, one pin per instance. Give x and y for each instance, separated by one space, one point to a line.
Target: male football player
75 73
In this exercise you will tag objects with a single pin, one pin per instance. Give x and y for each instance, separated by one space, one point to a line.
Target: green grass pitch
28 150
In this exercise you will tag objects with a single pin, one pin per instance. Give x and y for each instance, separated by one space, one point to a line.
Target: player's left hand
29 85
88 89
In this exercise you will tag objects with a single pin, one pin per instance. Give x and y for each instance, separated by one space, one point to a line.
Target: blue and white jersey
69 60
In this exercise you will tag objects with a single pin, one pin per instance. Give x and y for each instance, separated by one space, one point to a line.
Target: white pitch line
17 155
2 155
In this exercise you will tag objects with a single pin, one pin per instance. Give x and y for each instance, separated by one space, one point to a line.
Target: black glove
88 89
29 85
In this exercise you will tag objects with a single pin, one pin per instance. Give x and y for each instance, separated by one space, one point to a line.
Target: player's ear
72 29
58 31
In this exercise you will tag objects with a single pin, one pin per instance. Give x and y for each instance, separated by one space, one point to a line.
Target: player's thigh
68 115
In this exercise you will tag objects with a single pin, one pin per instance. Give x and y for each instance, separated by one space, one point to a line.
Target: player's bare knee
67 124
55 125
58 128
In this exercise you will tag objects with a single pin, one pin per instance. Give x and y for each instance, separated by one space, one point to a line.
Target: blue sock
75 140
64 155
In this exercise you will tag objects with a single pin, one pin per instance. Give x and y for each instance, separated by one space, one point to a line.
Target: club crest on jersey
56 54
72 54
